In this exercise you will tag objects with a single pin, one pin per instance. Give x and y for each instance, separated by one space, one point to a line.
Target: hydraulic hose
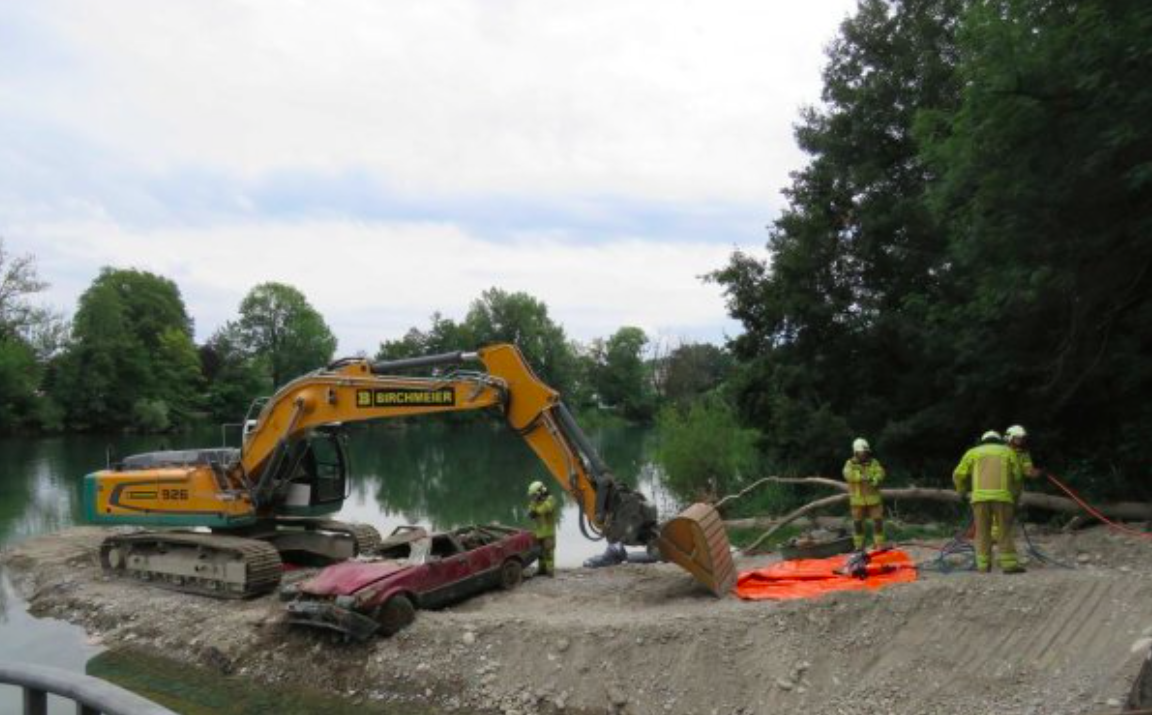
1094 511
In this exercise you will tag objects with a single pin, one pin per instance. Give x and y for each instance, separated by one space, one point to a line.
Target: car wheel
396 614
511 574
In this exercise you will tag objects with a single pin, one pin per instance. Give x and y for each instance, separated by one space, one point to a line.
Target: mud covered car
412 569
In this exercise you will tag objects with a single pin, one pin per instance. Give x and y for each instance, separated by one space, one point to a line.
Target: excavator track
366 537
191 562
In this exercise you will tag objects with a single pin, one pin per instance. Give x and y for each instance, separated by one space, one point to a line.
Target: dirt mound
646 640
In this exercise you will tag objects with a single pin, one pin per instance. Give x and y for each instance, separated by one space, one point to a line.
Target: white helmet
860 445
1015 431
991 436
536 488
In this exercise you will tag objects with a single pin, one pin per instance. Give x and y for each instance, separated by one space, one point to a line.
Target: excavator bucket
696 540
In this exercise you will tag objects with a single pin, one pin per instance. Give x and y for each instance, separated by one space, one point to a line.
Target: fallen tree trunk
1131 511
767 522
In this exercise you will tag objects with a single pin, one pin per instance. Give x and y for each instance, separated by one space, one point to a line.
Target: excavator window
319 471
329 468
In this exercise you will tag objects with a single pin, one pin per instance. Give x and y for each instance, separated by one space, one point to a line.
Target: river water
437 474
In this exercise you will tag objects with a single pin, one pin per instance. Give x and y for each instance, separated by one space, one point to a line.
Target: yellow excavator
269 497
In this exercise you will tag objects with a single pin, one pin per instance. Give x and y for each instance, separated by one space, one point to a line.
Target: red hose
1095 512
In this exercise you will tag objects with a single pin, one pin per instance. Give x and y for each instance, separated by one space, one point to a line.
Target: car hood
345 579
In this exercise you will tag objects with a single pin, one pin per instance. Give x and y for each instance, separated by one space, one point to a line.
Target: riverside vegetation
969 246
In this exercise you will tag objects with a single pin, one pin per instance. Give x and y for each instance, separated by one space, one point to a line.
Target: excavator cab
315 481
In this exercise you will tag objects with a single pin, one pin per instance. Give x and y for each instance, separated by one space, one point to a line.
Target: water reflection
44 641
447 475
196 691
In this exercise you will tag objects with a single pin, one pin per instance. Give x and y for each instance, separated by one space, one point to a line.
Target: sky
392 159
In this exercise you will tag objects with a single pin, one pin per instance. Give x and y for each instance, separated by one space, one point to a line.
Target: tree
621 376
19 376
498 316
234 379
278 325
132 342
29 335
444 336
835 340
1045 185
18 280
705 450
693 369
176 372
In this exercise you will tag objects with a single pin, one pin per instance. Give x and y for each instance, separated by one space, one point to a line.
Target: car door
447 572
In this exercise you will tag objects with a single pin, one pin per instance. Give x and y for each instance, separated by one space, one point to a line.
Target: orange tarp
808 578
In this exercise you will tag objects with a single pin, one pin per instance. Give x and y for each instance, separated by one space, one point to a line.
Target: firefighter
991 474
1017 439
864 474
542 509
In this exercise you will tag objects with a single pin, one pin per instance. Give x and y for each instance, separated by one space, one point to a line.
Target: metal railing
92 696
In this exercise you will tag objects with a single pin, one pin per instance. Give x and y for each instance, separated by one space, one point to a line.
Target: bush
48 415
151 415
704 450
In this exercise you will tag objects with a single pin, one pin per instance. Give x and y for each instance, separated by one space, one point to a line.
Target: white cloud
373 281
651 99
378 153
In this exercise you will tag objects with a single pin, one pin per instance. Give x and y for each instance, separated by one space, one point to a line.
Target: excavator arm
359 390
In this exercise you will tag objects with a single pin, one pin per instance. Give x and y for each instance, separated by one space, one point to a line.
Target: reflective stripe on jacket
991 472
860 477
544 514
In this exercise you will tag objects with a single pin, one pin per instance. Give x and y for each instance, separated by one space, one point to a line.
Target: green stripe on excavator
143 518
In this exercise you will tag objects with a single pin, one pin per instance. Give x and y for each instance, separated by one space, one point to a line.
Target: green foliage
18 280
29 336
444 336
151 415
233 378
968 246
704 449
835 340
497 316
279 326
176 372
621 376
131 340
19 376
691 370
1046 188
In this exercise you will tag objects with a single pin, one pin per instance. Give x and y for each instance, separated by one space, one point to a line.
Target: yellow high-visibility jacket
991 472
544 514
863 481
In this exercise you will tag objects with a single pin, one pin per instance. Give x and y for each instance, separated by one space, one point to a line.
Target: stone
469 638
617 696
1141 645
784 684
563 645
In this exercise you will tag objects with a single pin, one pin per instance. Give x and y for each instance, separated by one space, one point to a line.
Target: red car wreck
413 570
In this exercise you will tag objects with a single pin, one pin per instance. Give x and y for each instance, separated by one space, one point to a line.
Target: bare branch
816 481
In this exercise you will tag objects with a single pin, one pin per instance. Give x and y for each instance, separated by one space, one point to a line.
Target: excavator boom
695 539
279 475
